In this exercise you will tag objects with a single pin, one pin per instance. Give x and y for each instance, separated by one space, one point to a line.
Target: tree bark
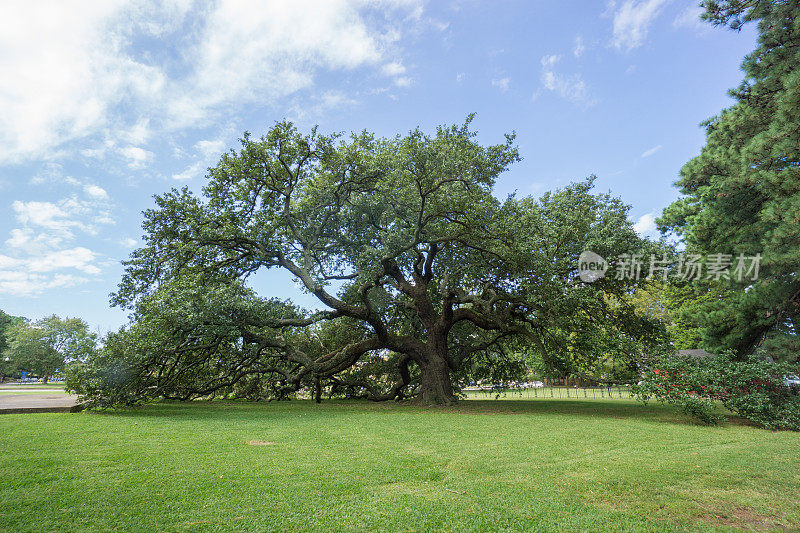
436 388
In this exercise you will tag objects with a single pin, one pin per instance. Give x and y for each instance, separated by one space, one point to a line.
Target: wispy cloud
190 172
651 151
501 83
136 156
64 70
395 68
579 47
72 73
41 254
571 87
632 22
206 153
95 191
690 18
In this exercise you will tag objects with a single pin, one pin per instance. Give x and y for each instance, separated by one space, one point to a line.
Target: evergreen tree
742 193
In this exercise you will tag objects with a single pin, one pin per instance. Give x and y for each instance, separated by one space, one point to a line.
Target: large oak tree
417 267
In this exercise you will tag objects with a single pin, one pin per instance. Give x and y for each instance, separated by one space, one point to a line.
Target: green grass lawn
7 392
542 465
30 386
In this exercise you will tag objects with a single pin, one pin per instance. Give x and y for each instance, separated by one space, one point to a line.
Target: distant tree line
42 347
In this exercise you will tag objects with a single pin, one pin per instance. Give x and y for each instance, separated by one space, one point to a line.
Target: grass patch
484 465
5 392
30 386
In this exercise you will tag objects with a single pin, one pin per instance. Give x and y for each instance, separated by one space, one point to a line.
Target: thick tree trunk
317 390
436 388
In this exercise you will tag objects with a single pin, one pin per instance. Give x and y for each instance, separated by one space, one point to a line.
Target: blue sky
105 103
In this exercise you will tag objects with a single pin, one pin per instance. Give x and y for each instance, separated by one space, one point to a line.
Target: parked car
793 382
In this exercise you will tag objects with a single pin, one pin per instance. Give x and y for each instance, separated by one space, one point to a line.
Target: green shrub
752 388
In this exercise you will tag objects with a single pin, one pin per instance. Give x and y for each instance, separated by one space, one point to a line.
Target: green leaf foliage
419 269
742 193
753 388
47 345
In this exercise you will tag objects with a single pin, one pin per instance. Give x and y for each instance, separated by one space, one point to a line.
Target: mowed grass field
29 386
39 392
538 465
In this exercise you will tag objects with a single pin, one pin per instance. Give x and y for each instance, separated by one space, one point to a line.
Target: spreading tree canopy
418 270
742 193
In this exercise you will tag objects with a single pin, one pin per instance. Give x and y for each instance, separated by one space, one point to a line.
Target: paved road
46 402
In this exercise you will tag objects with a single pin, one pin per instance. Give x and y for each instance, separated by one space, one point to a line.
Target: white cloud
501 83
49 173
29 241
38 264
210 149
646 225
62 217
570 87
651 151
63 71
139 133
394 68
632 22
192 171
22 283
137 157
310 109
206 153
335 99
71 71
549 62
257 52
39 253
52 173
95 191
690 18
78 258
7 262
46 215
579 48
129 243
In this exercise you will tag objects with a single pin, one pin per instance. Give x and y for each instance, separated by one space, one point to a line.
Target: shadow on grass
331 409
611 409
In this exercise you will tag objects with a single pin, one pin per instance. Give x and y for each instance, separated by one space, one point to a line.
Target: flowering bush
753 389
